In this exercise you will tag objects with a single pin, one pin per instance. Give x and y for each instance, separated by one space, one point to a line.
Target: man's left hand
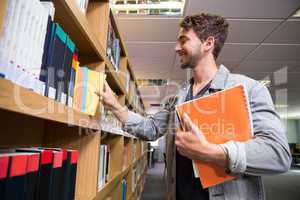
192 144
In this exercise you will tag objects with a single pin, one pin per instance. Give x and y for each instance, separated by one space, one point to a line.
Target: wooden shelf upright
30 119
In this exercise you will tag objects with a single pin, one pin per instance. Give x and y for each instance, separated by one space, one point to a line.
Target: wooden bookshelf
30 119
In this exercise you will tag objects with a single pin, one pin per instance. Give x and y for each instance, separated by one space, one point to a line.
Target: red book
12 175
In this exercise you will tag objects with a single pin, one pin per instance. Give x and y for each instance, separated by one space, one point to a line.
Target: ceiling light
281 105
266 83
297 13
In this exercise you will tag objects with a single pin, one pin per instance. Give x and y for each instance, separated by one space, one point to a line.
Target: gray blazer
267 153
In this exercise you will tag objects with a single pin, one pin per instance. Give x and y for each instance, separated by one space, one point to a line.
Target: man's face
189 48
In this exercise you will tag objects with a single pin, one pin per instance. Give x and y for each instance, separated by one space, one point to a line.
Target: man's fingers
190 126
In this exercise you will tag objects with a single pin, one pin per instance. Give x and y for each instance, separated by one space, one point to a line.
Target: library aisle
155 186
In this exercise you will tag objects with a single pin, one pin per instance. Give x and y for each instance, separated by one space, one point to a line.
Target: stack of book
103 169
38 173
22 42
113 47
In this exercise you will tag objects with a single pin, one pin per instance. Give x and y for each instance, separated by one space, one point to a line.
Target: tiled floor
283 187
280 187
155 187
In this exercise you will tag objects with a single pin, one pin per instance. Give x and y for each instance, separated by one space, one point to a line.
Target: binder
45 173
13 176
69 167
4 165
56 188
221 116
71 87
50 90
60 41
43 74
32 177
70 48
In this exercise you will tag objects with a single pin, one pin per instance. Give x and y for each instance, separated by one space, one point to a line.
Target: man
200 40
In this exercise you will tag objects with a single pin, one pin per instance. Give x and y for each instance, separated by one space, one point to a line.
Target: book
69 167
124 188
68 62
32 176
221 117
71 90
13 168
46 171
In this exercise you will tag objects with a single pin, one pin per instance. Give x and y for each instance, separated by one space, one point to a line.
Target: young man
200 40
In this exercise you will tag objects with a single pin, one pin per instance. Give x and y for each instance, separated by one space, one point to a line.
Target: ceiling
263 38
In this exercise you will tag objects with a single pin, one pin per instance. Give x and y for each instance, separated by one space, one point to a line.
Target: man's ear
209 44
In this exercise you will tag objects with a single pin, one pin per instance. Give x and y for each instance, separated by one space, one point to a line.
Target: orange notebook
221 116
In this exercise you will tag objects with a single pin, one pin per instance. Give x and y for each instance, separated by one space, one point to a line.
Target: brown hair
206 25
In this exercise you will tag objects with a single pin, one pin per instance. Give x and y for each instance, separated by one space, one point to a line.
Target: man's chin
185 66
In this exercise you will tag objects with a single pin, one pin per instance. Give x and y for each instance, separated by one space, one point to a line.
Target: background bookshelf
44 122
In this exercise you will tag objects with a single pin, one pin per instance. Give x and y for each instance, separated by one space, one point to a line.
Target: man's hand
192 144
107 96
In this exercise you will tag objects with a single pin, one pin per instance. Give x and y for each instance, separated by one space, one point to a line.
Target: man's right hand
109 100
107 96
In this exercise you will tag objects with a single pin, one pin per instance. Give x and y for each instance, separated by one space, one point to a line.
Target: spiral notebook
221 116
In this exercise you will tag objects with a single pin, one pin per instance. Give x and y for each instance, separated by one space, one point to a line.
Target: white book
49 6
100 166
21 41
9 39
104 165
4 44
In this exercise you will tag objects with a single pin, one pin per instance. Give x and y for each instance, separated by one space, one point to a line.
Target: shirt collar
218 83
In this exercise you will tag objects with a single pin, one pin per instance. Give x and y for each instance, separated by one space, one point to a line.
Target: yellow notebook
221 116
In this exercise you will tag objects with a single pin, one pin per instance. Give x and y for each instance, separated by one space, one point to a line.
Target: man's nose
177 47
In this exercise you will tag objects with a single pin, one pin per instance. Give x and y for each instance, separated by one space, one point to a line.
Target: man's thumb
190 126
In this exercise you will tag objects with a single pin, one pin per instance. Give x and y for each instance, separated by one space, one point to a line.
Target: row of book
109 121
103 168
44 58
22 41
38 173
113 50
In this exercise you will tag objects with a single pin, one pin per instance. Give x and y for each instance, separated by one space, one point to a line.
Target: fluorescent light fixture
297 13
281 106
148 7
266 83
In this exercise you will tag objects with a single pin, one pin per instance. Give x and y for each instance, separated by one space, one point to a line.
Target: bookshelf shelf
113 79
30 103
113 183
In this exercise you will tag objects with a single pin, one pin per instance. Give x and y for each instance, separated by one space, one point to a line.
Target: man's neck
204 71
